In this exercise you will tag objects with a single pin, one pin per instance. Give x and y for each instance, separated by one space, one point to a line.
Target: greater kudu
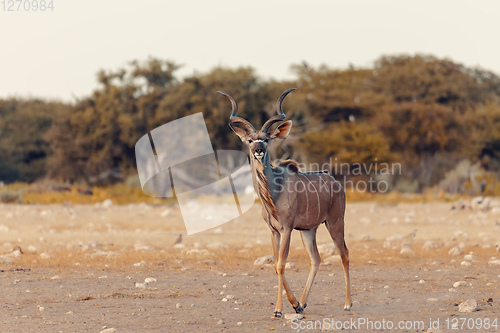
292 200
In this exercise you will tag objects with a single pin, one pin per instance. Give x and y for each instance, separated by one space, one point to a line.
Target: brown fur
291 165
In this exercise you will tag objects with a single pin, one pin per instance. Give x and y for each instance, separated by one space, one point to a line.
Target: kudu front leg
280 269
309 241
276 241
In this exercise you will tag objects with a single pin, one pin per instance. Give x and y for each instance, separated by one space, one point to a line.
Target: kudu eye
249 141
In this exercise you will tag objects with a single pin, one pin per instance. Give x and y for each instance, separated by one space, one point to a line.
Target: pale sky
56 54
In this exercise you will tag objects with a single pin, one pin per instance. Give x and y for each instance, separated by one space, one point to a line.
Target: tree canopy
426 113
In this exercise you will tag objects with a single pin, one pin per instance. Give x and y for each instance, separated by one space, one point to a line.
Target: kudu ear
282 131
239 131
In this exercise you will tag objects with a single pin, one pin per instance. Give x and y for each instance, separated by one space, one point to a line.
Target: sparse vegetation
9 196
425 113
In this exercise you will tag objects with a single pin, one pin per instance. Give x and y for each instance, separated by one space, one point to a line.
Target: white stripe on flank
307 198
317 195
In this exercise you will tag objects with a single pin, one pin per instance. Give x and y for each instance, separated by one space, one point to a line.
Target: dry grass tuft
53 193
47 192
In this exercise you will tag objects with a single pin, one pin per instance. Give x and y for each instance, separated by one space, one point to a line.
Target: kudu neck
263 178
264 167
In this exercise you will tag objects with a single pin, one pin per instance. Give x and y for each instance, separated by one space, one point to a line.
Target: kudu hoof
299 308
277 314
347 307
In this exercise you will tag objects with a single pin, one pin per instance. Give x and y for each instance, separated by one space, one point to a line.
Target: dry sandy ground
77 272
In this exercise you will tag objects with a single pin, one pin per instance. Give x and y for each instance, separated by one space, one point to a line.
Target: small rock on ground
109 330
290 316
459 283
455 251
46 256
407 250
5 260
469 305
470 257
434 330
326 249
494 263
264 260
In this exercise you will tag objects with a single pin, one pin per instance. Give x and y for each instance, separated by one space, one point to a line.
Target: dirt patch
97 261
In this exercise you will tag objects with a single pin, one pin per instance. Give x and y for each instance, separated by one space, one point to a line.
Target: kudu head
257 142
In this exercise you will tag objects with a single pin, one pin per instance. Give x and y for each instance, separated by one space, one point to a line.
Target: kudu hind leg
309 241
336 231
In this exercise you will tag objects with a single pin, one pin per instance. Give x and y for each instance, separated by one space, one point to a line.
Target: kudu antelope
292 200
